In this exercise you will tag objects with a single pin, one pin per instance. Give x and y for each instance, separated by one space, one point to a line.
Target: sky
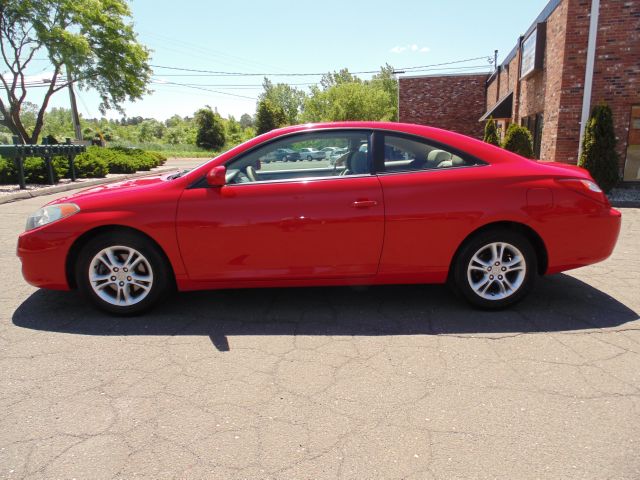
281 37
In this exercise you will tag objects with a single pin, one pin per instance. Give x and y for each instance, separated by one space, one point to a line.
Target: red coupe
398 204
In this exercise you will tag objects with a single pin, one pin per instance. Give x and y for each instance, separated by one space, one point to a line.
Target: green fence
18 152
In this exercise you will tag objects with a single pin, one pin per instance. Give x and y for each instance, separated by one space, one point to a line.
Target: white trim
588 74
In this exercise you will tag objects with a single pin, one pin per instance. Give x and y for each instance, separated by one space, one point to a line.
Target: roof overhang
502 109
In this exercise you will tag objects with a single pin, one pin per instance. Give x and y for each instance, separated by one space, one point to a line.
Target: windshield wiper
177 175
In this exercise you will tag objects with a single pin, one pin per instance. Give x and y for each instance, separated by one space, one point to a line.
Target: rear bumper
43 256
585 241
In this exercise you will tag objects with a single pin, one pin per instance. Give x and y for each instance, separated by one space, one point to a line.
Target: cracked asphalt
354 383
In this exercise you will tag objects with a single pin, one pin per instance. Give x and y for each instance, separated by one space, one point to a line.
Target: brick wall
572 84
554 54
452 102
616 73
616 78
492 93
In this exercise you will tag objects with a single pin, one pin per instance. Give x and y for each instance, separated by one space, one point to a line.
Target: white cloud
413 47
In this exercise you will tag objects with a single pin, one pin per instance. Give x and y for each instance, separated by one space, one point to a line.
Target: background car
281 155
328 151
311 154
442 208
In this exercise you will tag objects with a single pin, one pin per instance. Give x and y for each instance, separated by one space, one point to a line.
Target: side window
403 154
306 155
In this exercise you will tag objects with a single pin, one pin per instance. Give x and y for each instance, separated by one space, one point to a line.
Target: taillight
585 187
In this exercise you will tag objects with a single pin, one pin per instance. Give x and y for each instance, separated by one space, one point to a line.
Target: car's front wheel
123 274
495 269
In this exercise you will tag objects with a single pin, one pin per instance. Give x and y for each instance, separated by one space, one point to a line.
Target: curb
26 194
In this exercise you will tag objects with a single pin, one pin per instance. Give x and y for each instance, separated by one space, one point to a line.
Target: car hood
130 187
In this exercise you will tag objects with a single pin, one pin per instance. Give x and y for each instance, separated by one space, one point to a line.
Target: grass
186 154
180 151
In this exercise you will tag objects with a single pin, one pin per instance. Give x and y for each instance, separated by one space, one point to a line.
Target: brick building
543 81
453 102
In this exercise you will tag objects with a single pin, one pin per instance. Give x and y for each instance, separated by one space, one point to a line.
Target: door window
408 154
326 154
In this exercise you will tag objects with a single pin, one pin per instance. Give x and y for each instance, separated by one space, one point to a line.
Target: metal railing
19 152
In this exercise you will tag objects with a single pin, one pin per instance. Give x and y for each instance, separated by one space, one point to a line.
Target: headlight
50 214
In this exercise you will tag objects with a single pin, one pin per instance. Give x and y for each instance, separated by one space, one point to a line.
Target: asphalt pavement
354 383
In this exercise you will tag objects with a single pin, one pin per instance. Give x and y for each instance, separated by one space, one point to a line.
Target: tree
343 96
91 40
332 79
491 132
246 121
288 98
269 116
57 122
518 140
599 148
210 129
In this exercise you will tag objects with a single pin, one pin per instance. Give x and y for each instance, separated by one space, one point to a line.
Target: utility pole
495 59
75 118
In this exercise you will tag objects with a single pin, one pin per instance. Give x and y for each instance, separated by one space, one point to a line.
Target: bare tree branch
45 103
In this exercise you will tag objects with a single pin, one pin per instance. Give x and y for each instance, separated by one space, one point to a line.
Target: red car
403 204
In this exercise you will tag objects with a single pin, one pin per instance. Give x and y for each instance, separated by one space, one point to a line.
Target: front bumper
44 255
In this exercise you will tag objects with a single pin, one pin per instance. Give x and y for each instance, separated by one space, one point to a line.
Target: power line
205 89
214 73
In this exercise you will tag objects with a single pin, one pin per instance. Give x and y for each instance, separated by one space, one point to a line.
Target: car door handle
364 203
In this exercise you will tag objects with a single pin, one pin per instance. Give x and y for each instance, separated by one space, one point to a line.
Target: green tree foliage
343 96
289 99
491 132
599 148
246 121
210 129
92 40
269 116
519 140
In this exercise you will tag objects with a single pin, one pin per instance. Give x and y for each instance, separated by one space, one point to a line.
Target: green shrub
491 132
60 167
599 148
90 165
160 158
35 170
142 159
7 172
96 162
518 140
119 164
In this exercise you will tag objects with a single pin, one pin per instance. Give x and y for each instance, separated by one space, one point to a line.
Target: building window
534 124
632 160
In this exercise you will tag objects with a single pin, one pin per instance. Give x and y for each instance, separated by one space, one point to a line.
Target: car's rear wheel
495 269
124 274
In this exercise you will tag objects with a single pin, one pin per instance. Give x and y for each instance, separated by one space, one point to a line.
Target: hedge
519 140
599 148
96 162
35 170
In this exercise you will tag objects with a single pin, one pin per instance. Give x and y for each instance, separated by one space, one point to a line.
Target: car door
288 222
432 201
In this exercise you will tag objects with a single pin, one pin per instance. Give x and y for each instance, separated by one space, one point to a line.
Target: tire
487 272
309 158
123 273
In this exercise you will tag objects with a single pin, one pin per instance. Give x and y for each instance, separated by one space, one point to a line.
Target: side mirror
217 176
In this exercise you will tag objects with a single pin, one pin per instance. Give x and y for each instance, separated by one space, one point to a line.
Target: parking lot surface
381 382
